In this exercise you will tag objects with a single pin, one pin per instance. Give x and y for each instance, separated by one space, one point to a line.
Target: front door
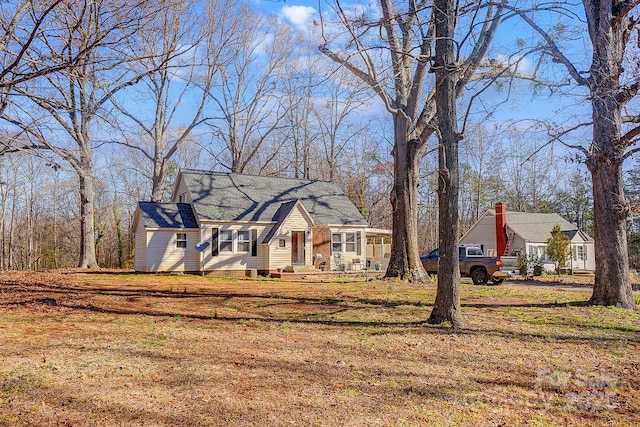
297 247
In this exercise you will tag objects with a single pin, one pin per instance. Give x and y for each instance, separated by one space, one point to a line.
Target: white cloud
298 16
520 64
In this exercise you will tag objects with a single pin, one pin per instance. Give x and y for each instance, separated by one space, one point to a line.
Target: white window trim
238 241
335 242
343 242
221 241
540 251
179 240
354 242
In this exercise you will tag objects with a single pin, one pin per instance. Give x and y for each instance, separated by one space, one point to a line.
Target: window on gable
578 253
181 240
244 241
226 241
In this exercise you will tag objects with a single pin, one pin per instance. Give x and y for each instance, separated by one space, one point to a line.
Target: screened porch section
378 249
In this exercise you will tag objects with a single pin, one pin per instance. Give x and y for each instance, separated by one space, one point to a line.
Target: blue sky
297 13
526 103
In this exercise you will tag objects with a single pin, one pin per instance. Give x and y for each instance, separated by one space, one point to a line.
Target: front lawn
123 349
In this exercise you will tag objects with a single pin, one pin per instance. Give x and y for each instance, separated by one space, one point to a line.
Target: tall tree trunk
120 234
399 79
609 29
55 219
12 229
29 238
447 303
612 283
159 172
405 253
3 220
87 221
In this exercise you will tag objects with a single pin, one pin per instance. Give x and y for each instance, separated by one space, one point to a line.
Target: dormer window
182 198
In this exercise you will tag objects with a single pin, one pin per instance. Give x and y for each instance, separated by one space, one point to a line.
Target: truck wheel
496 280
479 277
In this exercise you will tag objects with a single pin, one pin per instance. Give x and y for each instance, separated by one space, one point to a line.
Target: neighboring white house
501 232
633 220
236 223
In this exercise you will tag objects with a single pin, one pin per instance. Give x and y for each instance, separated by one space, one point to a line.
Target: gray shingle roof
221 196
167 215
536 227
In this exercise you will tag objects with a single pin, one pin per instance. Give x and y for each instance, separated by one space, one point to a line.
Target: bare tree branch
554 50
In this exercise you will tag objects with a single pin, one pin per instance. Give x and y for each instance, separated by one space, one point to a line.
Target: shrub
526 263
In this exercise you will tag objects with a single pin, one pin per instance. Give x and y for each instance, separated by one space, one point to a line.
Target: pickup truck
473 264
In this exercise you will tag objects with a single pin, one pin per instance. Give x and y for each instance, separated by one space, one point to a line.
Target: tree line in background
101 101
39 200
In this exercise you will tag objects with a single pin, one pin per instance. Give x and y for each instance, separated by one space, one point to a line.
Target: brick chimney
501 228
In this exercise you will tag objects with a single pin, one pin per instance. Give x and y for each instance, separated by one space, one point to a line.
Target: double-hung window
346 242
350 242
540 252
226 241
336 242
232 241
244 241
181 240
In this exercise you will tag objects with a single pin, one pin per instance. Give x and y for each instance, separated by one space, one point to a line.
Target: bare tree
335 115
613 82
9 178
184 51
476 168
575 201
324 111
56 111
529 177
298 127
396 67
247 106
23 53
22 56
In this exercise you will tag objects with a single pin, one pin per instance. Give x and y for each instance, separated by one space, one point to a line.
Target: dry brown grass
122 349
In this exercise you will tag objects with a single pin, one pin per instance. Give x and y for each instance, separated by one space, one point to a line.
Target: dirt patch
125 349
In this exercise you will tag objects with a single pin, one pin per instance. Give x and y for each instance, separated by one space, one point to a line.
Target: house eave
171 229
380 232
231 221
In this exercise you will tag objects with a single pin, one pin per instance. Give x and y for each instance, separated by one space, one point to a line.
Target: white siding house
527 233
165 232
234 223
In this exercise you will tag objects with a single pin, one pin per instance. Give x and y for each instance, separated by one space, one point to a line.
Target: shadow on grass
389 327
20 288
44 294
347 302
307 319
584 303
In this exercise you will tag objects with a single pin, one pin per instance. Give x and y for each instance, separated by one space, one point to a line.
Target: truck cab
472 264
